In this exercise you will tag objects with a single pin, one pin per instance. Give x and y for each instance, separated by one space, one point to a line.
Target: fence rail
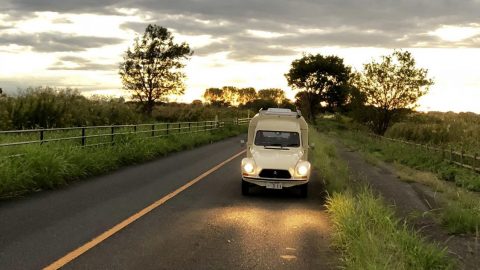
459 158
89 136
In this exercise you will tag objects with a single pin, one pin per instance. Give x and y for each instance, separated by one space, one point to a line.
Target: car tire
303 190
245 188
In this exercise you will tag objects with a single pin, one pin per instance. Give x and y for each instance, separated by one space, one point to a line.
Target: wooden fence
460 158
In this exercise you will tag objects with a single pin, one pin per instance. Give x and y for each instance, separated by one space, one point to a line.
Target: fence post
167 127
189 126
153 130
113 135
474 165
41 136
451 154
461 156
179 127
135 128
83 137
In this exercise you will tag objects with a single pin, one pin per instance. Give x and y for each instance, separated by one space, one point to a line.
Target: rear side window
277 138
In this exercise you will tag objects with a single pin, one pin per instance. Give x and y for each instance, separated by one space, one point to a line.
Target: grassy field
52 166
448 130
408 155
366 231
460 208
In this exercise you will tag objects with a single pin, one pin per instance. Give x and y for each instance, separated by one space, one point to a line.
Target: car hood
276 158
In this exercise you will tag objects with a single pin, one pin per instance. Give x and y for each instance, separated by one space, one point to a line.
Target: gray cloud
351 23
56 42
80 64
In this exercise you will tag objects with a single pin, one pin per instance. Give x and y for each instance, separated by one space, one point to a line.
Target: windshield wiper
275 146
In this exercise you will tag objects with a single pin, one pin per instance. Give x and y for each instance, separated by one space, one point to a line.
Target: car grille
270 173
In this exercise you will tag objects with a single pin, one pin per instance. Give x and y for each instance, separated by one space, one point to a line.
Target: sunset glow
81 47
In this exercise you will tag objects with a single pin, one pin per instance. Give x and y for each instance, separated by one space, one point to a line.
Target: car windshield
277 138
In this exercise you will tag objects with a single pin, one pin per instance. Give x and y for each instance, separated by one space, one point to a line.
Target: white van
277 151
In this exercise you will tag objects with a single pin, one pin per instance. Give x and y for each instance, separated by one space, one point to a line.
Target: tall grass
333 171
408 155
460 209
371 237
459 131
50 167
366 231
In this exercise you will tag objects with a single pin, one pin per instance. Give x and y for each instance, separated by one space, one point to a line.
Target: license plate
274 185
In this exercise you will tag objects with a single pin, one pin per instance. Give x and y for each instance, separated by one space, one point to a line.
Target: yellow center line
102 237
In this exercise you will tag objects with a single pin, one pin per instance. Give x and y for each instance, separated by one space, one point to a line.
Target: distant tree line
246 97
48 107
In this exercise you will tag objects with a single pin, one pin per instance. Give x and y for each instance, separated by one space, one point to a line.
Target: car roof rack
280 112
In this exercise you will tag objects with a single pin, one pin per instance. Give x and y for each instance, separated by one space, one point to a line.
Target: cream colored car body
277 160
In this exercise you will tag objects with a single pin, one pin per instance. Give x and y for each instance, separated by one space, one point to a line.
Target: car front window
277 138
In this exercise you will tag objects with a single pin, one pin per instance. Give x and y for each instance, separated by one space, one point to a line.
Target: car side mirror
312 146
242 143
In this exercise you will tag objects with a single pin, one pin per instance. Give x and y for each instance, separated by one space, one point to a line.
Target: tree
152 68
392 86
197 103
246 95
324 78
230 95
275 94
214 95
308 103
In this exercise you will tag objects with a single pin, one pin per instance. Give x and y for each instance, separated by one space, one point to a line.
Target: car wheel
245 188
304 190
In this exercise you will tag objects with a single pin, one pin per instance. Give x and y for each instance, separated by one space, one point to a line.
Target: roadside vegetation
459 207
47 107
53 166
366 230
459 131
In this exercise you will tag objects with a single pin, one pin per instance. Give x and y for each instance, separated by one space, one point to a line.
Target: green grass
415 157
53 166
460 208
456 130
366 231
333 171
371 237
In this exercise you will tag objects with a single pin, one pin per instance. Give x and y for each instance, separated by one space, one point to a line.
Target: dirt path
412 201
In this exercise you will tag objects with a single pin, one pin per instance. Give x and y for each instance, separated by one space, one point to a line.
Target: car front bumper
285 182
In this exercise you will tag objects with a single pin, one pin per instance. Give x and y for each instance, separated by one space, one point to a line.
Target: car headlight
302 168
248 166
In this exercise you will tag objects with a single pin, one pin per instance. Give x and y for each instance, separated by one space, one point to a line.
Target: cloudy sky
242 43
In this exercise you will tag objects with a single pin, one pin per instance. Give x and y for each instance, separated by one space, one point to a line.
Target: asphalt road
209 225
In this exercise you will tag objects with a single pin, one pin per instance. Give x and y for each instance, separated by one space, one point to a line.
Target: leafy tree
197 103
246 95
275 94
308 103
230 95
392 86
152 68
214 95
324 78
